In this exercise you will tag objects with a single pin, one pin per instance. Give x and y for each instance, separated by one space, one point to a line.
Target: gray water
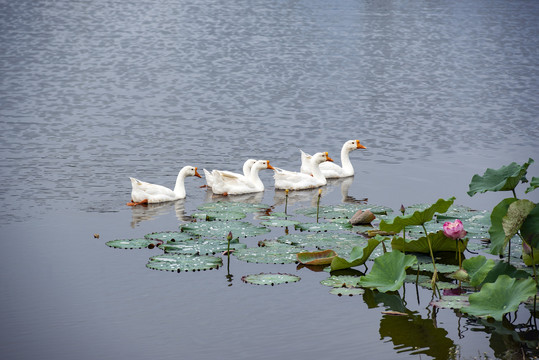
92 92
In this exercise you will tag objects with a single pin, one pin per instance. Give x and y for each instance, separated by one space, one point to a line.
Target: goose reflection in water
252 198
152 211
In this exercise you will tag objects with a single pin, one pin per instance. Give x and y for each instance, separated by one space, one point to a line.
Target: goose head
191 171
353 145
262 164
321 157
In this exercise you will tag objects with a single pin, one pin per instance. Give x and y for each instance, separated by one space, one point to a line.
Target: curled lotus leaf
270 279
316 257
280 223
451 302
224 206
221 229
172 262
341 281
505 178
201 247
219 215
346 291
534 184
501 297
132 243
170 236
345 211
268 255
323 227
358 255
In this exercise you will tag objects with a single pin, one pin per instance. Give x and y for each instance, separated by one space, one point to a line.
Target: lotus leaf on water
268 255
221 229
441 268
342 211
132 243
505 178
323 227
388 272
270 279
451 302
501 297
224 206
172 262
346 291
341 281
170 236
279 222
504 268
316 257
357 257
219 215
273 216
323 240
201 247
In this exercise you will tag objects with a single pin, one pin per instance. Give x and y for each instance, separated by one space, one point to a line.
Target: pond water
92 92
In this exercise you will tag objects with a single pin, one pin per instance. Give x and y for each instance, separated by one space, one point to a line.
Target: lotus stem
285 201
431 256
318 204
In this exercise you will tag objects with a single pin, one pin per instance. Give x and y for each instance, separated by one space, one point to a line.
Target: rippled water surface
92 92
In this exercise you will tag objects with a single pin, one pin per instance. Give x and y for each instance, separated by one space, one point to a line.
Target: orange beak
327 157
196 173
359 146
270 167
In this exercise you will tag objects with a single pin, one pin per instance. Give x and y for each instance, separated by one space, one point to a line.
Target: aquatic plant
270 279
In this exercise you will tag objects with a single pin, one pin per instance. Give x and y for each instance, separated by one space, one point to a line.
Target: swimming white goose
144 192
332 170
246 172
225 184
299 181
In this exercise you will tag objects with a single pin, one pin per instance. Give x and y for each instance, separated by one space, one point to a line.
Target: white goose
299 181
332 170
246 172
146 193
225 184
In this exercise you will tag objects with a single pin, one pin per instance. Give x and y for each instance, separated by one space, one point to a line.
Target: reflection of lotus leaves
132 243
169 262
268 255
220 229
270 279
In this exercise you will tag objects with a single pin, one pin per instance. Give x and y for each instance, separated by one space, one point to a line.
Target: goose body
225 184
144 192
292 180
332 170
229 174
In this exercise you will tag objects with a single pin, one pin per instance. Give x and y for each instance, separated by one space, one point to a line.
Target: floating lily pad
342 211
201 247
346 291
220 229
279 222
219 215
132 243
388 272
451 302
270 279
323 227
341 281
501 297
268 255
316 257
224 206
273 216
170 262
441 285
170 236
323 240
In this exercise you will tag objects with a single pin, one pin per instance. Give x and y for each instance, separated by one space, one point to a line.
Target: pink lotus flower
454 230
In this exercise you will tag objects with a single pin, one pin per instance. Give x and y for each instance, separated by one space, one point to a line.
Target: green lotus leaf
501 297
219 215
505 178
441 285
438 241
279 223
325 226
268 255
530 228
341 281
497 234
441 268
323 240
388 271
346 291
416 279
270 279
132 243
534 184
357 257
529 260
345 211
221 229
172 262
478 267
516 214
224 206
316 257
273 243
419 217
451 302
273 216
201 247
170 236
504 268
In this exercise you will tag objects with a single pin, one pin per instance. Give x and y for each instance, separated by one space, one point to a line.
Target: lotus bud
402 209
229 236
